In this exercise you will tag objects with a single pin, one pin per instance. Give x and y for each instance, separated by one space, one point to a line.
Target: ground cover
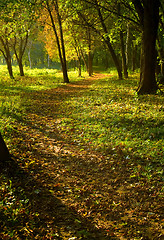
87 159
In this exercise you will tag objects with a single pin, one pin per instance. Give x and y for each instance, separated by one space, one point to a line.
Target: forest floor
63 185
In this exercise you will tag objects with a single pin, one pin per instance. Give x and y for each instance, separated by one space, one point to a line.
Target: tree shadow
77 192
62 221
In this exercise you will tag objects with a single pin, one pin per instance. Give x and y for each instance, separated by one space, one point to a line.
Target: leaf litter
76 190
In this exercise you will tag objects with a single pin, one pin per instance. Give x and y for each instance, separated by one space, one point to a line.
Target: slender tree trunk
9 67
29 53
109 45
21 68
20 52
123 55
90 63
84 60
134 53
4 152
90 55
161 57
60 41
79 66
127 45
65 73
114 57
7 56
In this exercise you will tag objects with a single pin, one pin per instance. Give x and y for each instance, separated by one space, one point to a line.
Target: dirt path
78 193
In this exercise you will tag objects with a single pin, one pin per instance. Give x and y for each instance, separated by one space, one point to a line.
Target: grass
12 91
111 114
92 145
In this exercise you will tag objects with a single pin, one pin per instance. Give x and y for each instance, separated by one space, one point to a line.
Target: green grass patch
111 114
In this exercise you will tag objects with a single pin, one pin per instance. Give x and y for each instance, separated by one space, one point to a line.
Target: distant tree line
121 34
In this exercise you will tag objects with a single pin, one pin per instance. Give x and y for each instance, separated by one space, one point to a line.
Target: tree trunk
79 66
64 62
84 60
7 56
134 54
90 55
60 43
4 152
161 58
9 67
90 63
127 45
114 57
21 67
123 55
20 52
149 16
109 45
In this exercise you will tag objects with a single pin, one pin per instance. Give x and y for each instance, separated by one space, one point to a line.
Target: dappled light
87 160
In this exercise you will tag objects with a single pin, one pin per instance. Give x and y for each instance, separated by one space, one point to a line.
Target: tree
5 42
24 19
54 12
4 152
16 20
148 13
96 17
160 44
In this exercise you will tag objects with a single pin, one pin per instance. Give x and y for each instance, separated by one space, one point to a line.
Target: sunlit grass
111 115
106 119
12 91
108 115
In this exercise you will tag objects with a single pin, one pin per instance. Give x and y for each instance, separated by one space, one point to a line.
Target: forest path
78 192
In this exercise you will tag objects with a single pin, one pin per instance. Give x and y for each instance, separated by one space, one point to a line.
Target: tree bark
123 55
65 73
90 55
149 19
161 57
4 152
9 67
79 66
21 68
60 41
134 54
109 45
114 57
19 53
6 53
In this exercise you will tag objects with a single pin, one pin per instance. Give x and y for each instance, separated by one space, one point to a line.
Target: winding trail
78 193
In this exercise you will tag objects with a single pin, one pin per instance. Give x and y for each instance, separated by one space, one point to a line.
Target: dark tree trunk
90 55
127 45
115 59
149 18
84 60
7 56
79 66
123 55
4 152
20 52
90 63
134 54
9 67
21 68
109 45
161 58
60 43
